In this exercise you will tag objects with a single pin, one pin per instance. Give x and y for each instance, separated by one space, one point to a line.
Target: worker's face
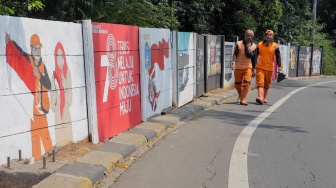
269 37
60 59
36 53
249 37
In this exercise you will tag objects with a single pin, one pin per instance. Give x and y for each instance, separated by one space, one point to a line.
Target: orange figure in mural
31 69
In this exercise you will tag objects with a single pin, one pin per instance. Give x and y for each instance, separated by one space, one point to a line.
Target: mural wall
185 64
213 62
200 81
156 71
304 61
42 90
284 58
117 77
293 59
317 54
229 73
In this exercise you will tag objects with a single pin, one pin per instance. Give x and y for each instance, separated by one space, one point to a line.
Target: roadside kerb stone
131 139
105 159
57 180
149 134
181 113
159 129
216 98
167 120
210 100
125 150
94 172
204 103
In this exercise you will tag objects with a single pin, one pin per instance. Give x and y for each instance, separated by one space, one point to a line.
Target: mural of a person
292 59
32 71
61 97
212 63
157 54
316 61
306 64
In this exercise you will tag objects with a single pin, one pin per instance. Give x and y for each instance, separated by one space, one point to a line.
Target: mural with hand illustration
155 59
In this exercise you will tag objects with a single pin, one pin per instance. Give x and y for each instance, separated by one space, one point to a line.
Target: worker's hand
253 73
279 68
7 38
233 65
36 72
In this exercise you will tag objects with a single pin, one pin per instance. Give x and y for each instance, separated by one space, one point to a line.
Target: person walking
266 50
243 61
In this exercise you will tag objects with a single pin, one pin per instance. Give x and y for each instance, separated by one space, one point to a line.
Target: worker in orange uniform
266 50
31 69
243 61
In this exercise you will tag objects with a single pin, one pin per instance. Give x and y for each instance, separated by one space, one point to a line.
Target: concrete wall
46 109
156 71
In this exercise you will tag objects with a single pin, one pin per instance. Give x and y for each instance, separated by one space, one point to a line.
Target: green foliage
195 15
20 8
291 20
141 13
269 16
329 53
65 10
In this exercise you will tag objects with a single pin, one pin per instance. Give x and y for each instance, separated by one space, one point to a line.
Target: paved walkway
90 169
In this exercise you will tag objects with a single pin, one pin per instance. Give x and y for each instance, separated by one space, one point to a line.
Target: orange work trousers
40 132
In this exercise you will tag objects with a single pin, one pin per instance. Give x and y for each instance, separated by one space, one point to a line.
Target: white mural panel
284 52
42 89
156 71
228 71
186 63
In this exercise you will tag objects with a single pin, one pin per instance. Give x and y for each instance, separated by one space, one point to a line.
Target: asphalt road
289 142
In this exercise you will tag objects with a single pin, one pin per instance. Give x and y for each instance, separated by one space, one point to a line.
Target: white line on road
238 175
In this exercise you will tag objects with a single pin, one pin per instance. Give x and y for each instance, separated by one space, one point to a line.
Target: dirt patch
71 152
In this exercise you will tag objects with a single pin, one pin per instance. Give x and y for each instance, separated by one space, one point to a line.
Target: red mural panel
117 78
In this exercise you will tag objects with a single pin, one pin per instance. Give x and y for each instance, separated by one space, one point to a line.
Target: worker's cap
269 32
249 32
35 40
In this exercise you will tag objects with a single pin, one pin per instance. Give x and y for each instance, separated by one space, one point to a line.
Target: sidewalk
121 150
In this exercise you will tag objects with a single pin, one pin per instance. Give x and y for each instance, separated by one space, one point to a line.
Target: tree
141 13
20 8
195 15
65 10
326 13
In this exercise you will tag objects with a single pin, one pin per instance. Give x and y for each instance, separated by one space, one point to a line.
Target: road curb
106 157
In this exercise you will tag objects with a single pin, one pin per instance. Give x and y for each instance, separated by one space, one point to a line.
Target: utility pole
314 18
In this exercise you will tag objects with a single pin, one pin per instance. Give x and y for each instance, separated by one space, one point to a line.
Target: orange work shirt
266 56
242 62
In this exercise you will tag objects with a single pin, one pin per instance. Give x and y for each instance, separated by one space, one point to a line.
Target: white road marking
238 175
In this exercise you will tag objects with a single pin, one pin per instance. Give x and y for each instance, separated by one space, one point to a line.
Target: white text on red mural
127 87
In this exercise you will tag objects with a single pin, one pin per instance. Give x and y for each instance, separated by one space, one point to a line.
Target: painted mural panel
214 49
117 78
156 70
42 90
186 62
200 81
284 58
229 73
293 55
316 69
304 61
